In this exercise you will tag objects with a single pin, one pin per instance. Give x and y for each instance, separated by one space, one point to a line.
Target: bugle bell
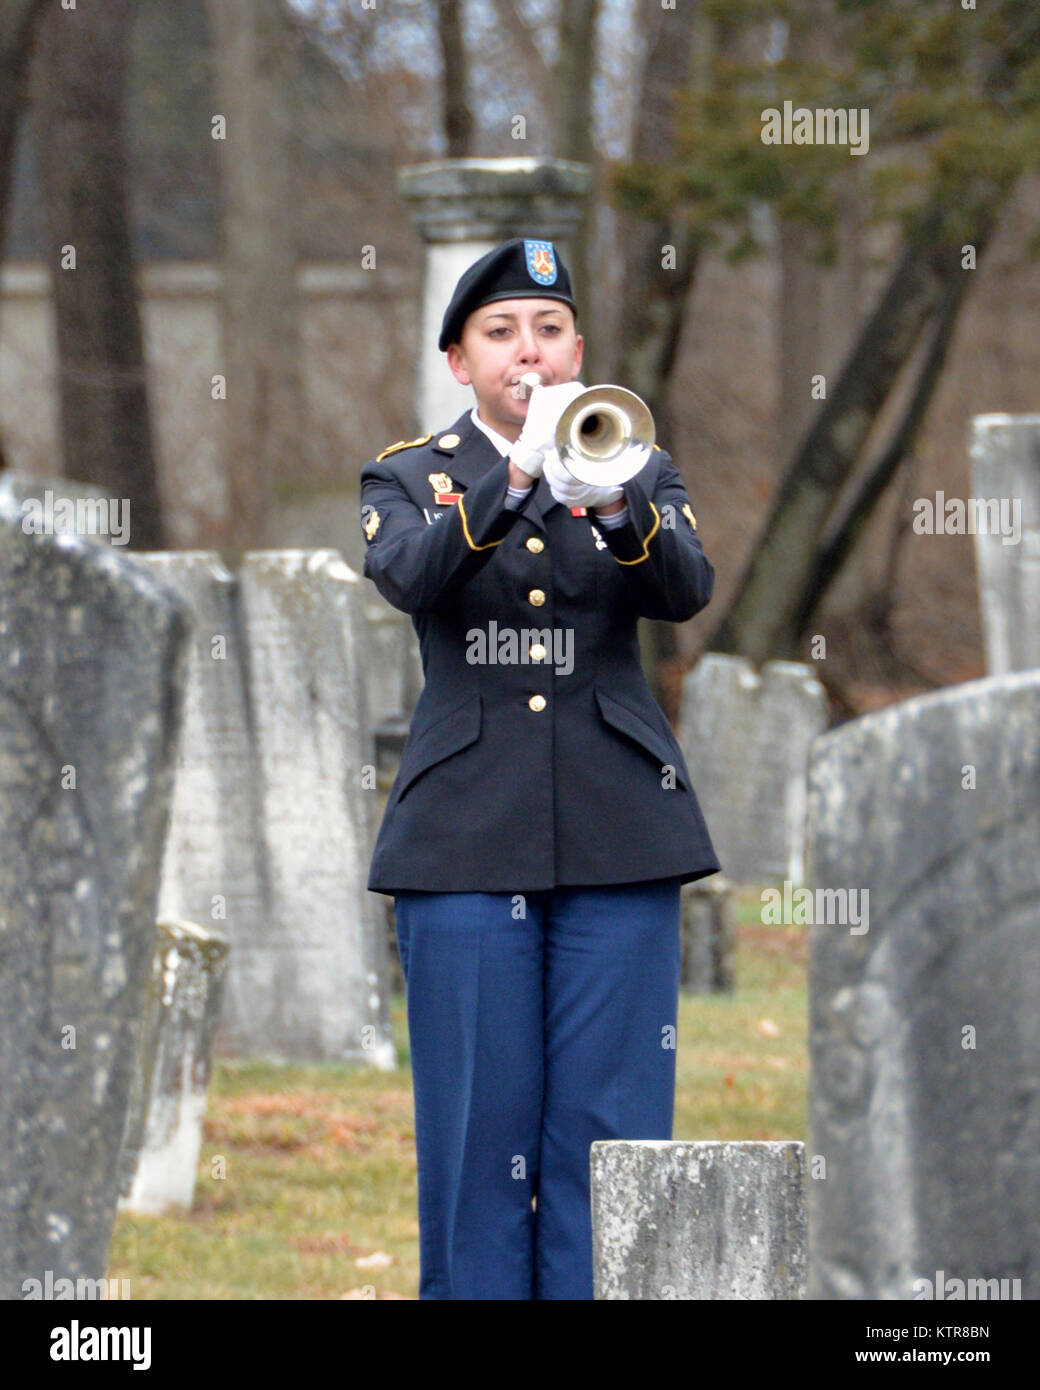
605 435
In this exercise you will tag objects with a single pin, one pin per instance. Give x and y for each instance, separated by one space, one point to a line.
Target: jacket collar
468 460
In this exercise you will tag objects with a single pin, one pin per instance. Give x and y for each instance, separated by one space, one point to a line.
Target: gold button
538 652
535 544
537 702
537 597
447 441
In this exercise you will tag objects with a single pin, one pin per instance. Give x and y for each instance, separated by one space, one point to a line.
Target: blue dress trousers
534 840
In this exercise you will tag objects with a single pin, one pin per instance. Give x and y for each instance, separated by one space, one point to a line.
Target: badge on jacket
442 493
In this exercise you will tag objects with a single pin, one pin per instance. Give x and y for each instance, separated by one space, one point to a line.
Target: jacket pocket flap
635 727
454 731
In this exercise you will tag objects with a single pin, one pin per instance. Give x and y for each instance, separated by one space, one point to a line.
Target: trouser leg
473 970
611 1009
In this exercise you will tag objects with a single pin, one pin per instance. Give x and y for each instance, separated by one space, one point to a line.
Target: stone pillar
704 1219
464 207
1005 471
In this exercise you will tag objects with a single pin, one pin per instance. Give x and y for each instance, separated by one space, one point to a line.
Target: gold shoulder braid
402 444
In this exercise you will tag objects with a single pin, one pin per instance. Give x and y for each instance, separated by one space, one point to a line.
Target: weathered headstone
708 936
214 866
92 664
393 677
924 1150
314 973
1005 473
746 738
390 670
273 821
698 1219
168 1100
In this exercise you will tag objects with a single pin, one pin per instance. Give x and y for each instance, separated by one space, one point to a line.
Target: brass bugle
605 436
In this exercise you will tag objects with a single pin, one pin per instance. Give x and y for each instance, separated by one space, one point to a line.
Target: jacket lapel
468 460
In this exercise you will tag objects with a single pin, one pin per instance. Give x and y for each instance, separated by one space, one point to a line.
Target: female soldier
542 818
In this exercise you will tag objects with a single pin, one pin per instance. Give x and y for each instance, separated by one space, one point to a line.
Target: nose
529 350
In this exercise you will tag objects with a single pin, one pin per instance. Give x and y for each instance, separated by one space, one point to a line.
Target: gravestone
708 936
393 680
746 738
924 1147
315 971
1005 469
213 865
705 1219
273 825
168 1101
92 665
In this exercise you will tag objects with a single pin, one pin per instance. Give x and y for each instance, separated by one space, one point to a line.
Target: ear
579 351
457 363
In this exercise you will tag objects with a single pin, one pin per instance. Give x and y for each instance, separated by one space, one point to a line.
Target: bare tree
573 78
79 83
661 258
528 53
780 584
254 43
458 119
18 19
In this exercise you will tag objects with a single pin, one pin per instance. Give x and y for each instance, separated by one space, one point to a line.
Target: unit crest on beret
402 444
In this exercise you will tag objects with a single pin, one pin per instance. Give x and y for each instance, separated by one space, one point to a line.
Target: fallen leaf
379 1259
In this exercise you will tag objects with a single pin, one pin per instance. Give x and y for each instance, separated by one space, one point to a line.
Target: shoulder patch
403 444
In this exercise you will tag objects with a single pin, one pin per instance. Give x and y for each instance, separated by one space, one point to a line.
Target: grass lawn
320 1160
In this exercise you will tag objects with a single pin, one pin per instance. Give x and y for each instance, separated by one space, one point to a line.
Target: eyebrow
503 314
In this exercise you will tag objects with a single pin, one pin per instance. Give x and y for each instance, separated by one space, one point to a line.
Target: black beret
519 269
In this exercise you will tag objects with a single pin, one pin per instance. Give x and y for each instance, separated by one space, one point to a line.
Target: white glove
572 493
544 407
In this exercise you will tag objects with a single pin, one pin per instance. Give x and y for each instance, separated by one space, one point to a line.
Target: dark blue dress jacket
537 756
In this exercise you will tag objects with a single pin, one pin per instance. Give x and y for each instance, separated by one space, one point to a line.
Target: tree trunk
800 337
842 534
656 287
254 42
458 118
764 619
572 79
79 81
18 19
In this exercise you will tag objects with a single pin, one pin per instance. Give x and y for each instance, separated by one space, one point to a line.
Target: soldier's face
504 339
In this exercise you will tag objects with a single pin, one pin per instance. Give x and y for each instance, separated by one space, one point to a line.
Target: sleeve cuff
615 519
